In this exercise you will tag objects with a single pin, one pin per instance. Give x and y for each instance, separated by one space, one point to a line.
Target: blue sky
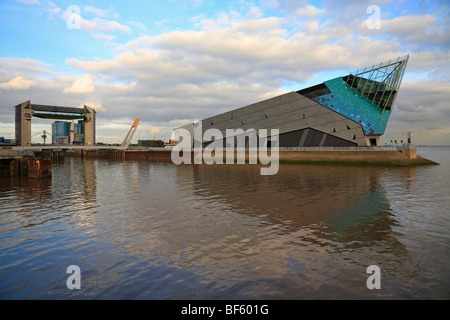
172 62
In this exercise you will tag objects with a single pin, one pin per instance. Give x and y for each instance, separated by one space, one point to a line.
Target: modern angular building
351 110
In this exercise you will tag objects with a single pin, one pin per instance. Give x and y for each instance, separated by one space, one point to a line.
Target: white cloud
84 84
98 27
101 25
18 83
310 11
96 11
97 106
24 65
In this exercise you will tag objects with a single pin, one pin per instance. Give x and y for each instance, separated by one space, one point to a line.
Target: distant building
347 111
63 133
151 143
6 142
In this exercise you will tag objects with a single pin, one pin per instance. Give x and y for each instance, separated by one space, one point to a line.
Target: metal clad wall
289 113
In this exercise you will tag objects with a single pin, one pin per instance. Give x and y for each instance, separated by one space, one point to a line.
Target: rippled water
143 230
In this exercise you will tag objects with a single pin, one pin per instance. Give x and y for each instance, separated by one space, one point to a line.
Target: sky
173 62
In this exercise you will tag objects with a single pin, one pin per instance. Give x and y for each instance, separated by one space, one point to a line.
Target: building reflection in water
337 210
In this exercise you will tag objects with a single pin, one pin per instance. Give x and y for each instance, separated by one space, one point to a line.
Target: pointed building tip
379 83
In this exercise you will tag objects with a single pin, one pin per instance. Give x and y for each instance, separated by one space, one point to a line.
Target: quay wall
367 157
25 163
21 167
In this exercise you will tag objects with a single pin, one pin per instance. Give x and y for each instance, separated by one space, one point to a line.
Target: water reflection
22 208
341 209
74 190
141 229
342 198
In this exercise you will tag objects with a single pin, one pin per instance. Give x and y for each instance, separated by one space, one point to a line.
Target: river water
148 230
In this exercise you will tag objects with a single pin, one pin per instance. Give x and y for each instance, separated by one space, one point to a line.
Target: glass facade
61 132
60 129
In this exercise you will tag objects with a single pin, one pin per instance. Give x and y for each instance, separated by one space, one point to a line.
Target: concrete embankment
342 157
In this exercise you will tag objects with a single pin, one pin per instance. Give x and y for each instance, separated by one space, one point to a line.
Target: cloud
96 11
420 31
422 107
102 25
139 25
99 27
84 84
255 13
29 1
17 83
310 11
25 66
103 36
97 106
53 9
231 60
287 7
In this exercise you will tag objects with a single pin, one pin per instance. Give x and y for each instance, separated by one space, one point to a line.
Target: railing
383 148
143 148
